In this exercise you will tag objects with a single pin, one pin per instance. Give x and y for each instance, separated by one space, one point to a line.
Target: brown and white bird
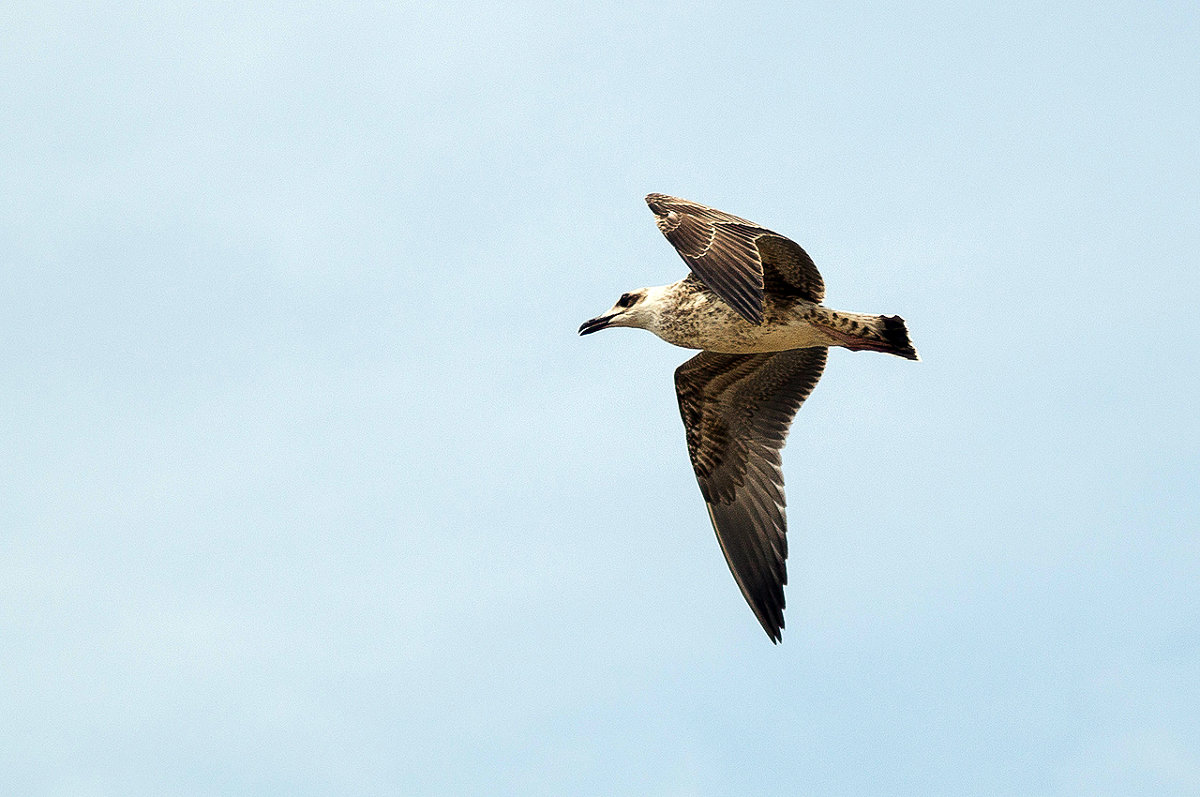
752 303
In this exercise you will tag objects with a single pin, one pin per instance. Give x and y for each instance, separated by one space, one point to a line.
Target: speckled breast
703 321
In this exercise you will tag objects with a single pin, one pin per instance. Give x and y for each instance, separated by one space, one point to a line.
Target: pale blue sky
311 488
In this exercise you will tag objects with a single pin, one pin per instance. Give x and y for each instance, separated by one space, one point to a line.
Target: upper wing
737 409
734 257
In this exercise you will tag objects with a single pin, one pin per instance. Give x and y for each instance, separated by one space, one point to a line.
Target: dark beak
595 325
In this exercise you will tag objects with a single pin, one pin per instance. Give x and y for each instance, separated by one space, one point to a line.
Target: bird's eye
626 300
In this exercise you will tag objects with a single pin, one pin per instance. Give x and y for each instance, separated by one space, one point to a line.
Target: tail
859 332
895 334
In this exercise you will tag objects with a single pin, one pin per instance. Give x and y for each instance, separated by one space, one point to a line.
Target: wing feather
737 409
737 259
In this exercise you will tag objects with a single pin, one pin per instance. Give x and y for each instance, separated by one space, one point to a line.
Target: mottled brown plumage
752 302
737 259
737 409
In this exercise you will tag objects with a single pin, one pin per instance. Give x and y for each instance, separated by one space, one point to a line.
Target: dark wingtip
751 312
771 622
749 306
774 630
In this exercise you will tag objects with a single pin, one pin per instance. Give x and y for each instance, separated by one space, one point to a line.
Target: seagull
752 305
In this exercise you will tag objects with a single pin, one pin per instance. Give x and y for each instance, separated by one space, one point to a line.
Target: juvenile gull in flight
752 304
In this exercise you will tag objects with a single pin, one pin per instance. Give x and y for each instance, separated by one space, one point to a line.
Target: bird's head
633 309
